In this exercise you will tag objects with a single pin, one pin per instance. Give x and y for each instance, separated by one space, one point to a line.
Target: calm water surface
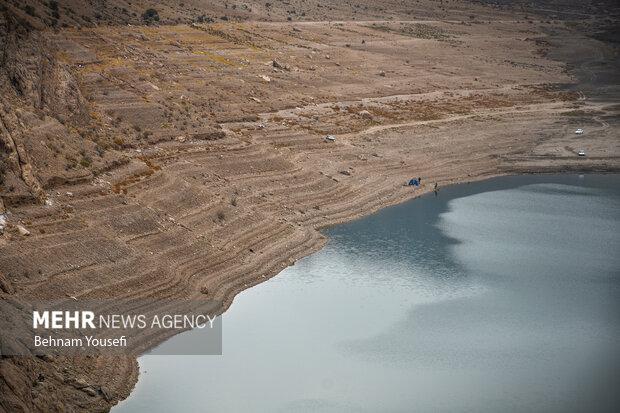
496 296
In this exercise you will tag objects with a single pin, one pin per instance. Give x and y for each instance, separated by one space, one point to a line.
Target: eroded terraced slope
190 161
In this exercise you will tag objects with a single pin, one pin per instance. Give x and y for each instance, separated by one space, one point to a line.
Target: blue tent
414 182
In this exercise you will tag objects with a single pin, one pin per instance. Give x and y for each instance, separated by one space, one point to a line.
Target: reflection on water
495 296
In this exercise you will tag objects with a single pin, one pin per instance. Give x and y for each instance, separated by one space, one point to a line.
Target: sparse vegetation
55 12
86 161
415 30
100 150
150 16
30 10
118 141
2 171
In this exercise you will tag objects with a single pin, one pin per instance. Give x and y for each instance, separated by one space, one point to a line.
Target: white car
581 153
579 131
330 138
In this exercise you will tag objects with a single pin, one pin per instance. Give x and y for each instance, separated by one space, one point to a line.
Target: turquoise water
495 296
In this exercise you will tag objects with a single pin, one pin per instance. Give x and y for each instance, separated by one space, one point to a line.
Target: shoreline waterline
451 287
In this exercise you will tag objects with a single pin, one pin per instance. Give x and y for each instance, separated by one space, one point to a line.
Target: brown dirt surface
156 160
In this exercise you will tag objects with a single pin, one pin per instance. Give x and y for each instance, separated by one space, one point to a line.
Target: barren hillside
187 155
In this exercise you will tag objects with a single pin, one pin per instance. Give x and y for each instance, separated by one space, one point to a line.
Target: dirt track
215 173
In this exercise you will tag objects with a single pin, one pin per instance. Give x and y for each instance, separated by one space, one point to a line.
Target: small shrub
2 171
150 16
204 19
30 10
86 161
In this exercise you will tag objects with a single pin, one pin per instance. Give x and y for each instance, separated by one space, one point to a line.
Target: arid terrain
185 157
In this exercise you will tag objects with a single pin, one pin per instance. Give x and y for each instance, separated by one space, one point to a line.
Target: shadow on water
411 231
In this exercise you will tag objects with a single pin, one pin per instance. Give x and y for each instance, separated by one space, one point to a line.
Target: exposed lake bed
500 294
168 165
